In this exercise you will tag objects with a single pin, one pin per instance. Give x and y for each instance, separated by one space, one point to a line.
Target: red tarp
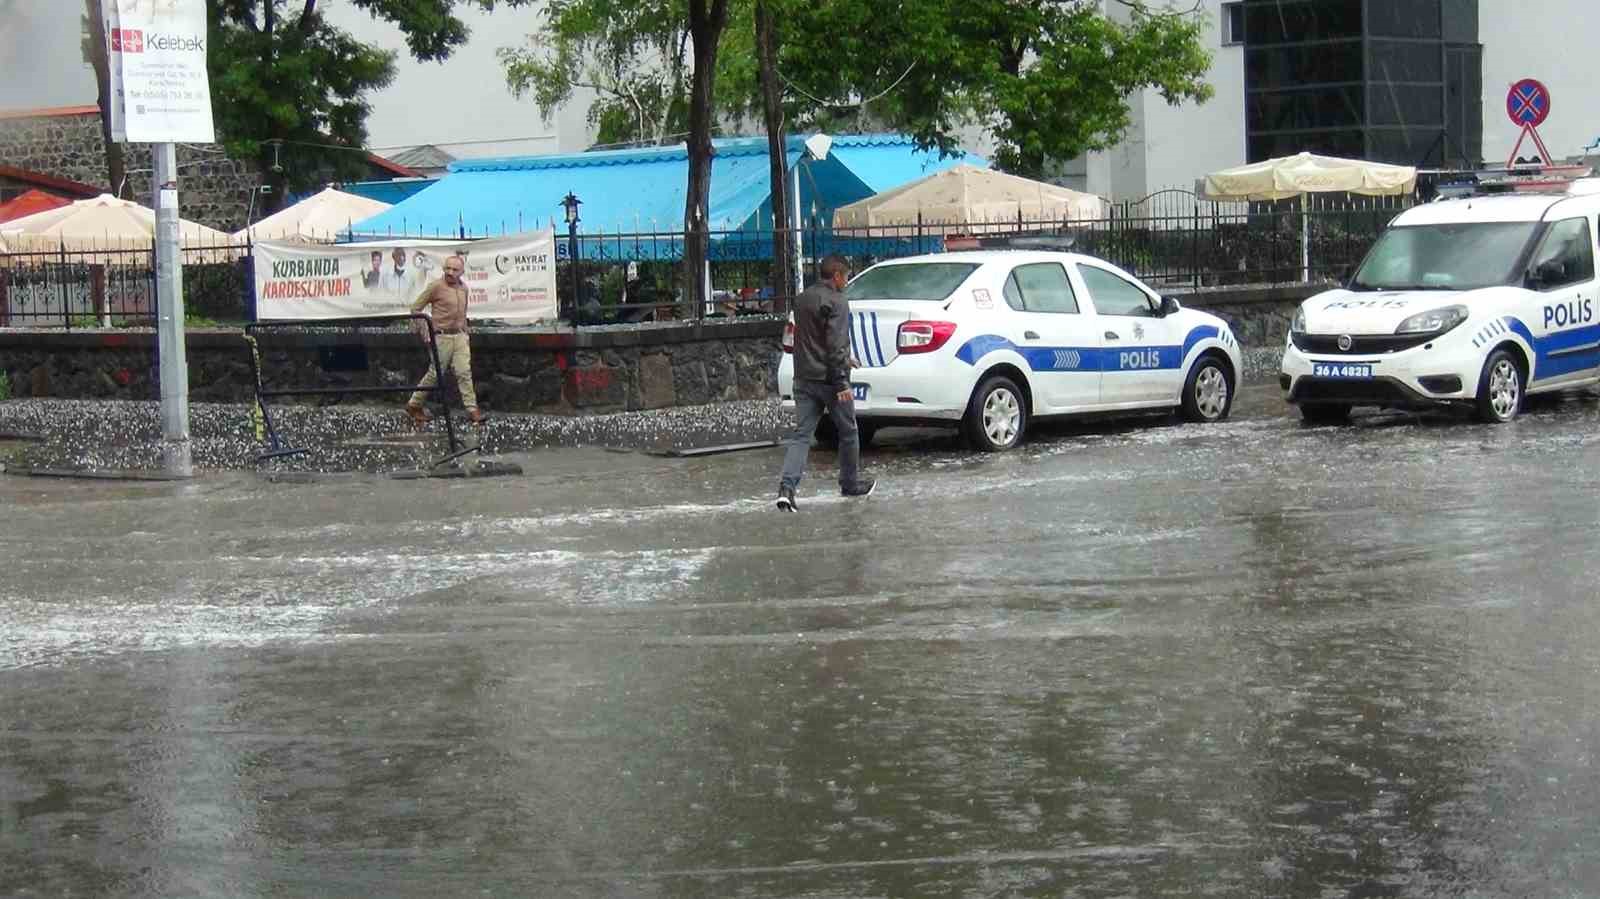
29 203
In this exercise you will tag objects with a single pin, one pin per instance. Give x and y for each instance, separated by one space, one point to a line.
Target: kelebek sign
157 62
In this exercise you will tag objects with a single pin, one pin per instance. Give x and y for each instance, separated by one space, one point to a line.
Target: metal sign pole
173 357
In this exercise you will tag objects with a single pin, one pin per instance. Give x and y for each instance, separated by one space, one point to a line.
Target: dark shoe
863 487
476 416
786 501
419 415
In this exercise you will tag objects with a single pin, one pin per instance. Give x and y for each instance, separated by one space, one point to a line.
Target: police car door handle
1030 335
1112 335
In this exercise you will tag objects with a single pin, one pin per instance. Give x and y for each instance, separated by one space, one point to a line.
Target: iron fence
1172 239
113 285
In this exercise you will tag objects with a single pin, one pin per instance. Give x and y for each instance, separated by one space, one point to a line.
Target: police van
989 340
1472 302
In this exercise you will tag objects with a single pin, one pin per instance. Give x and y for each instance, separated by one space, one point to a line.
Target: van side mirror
1550 271
1169 306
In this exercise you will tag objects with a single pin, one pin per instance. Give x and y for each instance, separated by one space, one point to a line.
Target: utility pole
175 447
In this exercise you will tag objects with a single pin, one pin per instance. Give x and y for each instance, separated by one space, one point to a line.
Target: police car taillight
788 337
923 337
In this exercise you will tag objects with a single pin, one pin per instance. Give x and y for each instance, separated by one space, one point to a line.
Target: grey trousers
811 399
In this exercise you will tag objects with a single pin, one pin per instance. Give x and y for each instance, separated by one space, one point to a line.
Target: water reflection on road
1250 659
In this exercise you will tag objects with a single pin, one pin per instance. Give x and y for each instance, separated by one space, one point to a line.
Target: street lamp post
570 204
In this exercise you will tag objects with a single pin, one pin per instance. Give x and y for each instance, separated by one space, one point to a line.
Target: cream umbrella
970 200
1303 173
106 230
319 218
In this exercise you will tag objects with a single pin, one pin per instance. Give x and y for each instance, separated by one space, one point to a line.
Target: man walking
822 383
448 297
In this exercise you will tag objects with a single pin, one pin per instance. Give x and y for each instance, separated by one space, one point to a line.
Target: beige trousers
455 354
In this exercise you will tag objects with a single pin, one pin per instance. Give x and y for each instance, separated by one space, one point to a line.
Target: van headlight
1298 325
1433 321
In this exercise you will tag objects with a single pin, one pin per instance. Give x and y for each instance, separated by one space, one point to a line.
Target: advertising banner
511 278
157 60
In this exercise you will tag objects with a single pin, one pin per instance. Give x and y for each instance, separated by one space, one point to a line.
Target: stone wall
514 370
587 372
213 189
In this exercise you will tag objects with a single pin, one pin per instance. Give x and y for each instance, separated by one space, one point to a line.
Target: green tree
1047 79
289 89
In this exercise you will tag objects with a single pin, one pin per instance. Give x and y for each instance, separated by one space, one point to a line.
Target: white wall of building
1551 41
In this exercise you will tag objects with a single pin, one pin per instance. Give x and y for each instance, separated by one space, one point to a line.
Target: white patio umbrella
319 218
970 199
1303 173
103 231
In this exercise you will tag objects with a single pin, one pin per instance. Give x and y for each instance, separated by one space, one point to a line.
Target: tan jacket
449 306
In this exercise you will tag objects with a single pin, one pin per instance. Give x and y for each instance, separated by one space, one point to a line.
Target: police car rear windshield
1457 256
933 281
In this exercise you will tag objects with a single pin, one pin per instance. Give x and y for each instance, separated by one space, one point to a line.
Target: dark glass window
1405 104
1300 66
1232 23
1412 145
1404 18
1043 287
1404 61
1317 108
1284 21
1348 142
1460 21
1565 256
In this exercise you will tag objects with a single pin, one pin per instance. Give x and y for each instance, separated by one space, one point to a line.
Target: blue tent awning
635 198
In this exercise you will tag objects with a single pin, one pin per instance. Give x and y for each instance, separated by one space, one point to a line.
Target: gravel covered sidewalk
89 435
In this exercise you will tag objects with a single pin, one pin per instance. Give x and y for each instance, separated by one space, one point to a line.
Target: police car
1474 302
989 340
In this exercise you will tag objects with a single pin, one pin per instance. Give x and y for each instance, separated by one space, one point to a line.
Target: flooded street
1127 660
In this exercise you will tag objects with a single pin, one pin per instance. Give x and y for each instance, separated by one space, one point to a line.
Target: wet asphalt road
1251 659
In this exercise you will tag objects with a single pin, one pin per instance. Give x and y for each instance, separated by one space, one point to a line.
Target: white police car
989 340
1473 302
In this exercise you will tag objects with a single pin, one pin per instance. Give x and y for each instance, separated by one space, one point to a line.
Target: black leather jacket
822 336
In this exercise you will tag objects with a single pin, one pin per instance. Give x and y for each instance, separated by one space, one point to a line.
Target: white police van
1473 302
990 340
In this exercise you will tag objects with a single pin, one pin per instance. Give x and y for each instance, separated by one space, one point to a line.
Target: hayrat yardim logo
127 40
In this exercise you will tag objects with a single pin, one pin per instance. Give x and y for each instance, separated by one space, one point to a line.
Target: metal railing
111 285
1172 239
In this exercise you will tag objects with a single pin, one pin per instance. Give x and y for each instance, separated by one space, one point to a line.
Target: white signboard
157 61
511 278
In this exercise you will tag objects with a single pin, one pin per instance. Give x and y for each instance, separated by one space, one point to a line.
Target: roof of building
46 112
76 189
389 165
426 156
644 190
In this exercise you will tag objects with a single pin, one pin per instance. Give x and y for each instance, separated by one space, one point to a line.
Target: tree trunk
705 29
273 178
772 114
116 166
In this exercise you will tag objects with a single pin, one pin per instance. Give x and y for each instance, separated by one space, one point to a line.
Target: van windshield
933 281
1462 256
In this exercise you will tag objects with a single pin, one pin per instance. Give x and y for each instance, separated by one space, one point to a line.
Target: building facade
1417 82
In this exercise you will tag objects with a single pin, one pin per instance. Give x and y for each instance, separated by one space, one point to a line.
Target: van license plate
860 391
1340 370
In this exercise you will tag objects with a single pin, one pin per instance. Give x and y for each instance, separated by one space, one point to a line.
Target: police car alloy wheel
998 416
1500 388
1208 392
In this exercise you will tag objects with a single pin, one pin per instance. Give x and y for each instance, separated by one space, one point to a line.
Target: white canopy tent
105 230
970 200
1303 173
319 218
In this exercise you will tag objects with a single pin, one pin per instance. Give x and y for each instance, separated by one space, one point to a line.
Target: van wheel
997 415
1208 391
1500 388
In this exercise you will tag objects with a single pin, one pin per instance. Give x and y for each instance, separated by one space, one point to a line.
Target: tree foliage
1046 79
289 89
637 58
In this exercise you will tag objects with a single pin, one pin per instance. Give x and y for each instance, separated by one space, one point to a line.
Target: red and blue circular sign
1528 102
